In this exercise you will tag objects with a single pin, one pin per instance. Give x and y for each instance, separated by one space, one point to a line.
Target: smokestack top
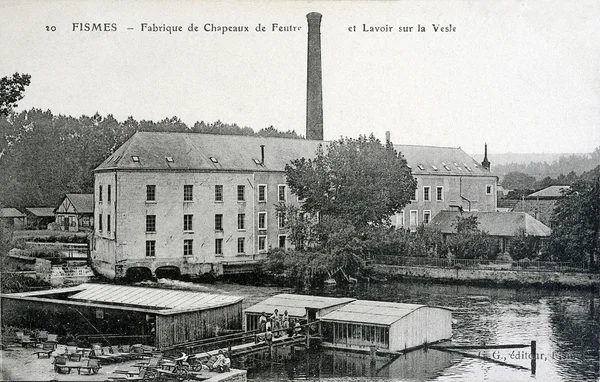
387 137
316 16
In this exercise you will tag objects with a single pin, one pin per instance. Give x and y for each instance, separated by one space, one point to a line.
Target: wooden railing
521 265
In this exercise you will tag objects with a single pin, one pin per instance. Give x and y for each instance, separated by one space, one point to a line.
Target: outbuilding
388 326
125 314
298 306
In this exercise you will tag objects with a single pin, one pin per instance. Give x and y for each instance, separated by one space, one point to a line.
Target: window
100 194
488 189
218 193
426 193
402 219
135 158
150 248
282 241
188 222
240 245
241 221
218 246
241 190
108 223
150 223
108 194
426 217
262 192
99 222
218 222
188 193
188 247
262 243
150 193
414 218
262 220
281 193
281 219
416 195
439 193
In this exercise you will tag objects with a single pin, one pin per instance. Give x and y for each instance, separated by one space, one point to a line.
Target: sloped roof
83 203
373 312
193 151
494 223
441 161
41 211
153 298
296 304
9 212
552 192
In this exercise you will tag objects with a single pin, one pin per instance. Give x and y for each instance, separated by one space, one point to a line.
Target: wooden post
533 357
307 337
373 363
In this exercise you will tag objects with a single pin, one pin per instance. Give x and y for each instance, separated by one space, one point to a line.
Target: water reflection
564 323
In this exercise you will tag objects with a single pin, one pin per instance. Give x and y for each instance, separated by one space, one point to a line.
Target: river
564 323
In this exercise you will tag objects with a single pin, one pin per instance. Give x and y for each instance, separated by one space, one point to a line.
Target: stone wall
493 277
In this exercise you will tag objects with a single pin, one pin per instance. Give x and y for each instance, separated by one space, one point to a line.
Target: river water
565 325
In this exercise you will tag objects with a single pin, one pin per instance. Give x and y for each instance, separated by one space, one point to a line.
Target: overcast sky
523 76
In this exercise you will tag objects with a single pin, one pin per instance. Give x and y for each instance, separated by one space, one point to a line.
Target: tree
349 194
576 221
11 91
518 180
358 180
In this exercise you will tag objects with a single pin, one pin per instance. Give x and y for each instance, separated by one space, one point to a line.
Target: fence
69 250
521 265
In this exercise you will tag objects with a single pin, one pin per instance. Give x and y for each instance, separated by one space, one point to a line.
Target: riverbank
490 277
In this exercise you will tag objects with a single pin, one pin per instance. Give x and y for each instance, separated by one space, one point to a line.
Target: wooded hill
43 156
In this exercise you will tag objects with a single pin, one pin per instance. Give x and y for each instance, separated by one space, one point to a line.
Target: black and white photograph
232 191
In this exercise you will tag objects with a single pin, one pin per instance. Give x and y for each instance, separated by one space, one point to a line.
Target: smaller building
39 217
503 225
12 217
75 212
309 308
158 317
541 204
389 326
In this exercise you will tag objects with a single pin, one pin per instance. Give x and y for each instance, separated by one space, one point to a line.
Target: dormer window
467 167
169 159
213 159
135 158
435 167
256 161
422 167
446 166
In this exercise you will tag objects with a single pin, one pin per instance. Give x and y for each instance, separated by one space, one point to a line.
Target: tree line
43 156
538 175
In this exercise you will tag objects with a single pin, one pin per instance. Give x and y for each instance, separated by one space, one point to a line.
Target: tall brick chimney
314 87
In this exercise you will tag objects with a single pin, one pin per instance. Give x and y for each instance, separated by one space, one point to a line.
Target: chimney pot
262 155
387 137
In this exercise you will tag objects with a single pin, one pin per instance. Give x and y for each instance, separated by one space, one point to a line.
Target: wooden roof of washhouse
153 298
151 151
373 312
296 304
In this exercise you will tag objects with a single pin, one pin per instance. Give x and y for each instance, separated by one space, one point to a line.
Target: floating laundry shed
385 325
159 317
298 306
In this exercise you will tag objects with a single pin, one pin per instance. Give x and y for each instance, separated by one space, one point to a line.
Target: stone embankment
504 277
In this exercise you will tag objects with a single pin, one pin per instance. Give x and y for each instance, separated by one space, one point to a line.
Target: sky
521 76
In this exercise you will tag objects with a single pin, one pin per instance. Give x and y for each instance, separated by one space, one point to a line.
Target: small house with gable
75 212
